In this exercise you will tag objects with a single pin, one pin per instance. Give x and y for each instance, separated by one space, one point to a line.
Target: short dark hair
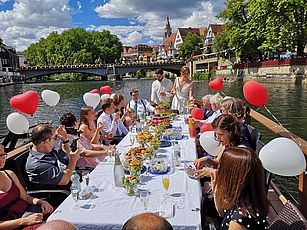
159 71
68 120
147 221
106 104
41 132
134 91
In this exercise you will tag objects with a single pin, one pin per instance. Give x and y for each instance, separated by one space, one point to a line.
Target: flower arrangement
135 167
155 143
144 137
130 183
163 105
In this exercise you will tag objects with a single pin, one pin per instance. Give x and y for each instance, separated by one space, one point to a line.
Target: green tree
75 46
191 46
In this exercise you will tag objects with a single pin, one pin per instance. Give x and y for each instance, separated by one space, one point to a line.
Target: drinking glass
132 138
165 182
75 196
144 195
86 177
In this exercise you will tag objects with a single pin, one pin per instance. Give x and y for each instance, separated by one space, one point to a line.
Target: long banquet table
111 207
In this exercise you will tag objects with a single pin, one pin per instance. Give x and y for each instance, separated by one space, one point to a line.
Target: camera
72 131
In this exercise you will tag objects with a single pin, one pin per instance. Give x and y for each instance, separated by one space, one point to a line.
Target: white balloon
208 142
105 96
283 156
50 97
91 99
17 123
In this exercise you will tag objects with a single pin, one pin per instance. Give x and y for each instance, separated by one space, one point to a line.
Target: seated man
112 122
47 168
140 106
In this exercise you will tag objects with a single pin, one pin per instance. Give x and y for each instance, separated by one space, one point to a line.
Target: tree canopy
73 47
191 46
256 29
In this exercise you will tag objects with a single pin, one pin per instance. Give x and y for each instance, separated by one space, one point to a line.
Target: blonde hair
216 99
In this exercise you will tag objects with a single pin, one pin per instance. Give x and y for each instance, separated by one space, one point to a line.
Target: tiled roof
216 28
169 41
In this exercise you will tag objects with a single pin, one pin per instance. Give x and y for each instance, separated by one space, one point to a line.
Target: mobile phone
73 145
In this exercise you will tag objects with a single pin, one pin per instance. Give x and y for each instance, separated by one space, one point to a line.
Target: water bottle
138 126
118 171
75 182
177 155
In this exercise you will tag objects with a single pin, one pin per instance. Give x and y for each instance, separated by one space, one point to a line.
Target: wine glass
86 177
144 195
132 138
165 182
75 196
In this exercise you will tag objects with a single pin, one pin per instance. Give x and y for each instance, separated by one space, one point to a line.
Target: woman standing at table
14 201
182 90
239 191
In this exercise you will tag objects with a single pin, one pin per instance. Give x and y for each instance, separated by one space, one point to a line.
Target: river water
287 101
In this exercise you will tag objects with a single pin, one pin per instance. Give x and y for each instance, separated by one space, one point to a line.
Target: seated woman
215 102
88 151
237 108
228 133
88 127
129 120
239 190
15 202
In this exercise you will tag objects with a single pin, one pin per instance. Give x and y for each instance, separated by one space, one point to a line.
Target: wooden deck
276 204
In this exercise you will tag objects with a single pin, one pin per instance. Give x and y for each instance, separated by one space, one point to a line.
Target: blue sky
23 22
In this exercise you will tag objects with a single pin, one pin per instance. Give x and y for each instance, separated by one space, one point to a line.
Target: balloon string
287 131
223 93
56 112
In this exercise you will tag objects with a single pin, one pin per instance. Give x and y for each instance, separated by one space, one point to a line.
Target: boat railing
280 131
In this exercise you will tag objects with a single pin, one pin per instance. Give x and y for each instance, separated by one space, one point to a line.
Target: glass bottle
118 171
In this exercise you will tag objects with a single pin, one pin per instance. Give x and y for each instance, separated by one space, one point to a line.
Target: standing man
161 88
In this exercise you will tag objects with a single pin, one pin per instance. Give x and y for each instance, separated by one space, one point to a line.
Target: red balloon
94 91
197 113
216 84
206 127
106 89
26 102
255 93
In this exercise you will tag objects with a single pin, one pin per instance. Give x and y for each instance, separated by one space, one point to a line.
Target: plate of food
190 170
159 165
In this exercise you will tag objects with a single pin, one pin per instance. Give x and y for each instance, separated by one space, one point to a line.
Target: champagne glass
75 196
144 195
132 138
165 182
86 177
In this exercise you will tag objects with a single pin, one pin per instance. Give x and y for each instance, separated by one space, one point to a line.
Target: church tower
168 29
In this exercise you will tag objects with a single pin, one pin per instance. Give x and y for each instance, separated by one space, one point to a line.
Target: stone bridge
100 70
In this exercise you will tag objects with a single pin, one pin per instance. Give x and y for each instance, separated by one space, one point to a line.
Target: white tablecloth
111 207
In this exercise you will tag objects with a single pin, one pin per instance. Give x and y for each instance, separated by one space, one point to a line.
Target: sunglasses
135 94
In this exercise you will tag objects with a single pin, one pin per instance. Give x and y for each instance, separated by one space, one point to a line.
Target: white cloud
152 15
29 20
4 1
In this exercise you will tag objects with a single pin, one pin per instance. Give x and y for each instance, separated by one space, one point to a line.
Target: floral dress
258 222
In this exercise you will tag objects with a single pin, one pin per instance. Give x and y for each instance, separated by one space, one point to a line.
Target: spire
168 29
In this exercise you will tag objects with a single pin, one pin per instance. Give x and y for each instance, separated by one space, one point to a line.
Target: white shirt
157 87
117 128
142 106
